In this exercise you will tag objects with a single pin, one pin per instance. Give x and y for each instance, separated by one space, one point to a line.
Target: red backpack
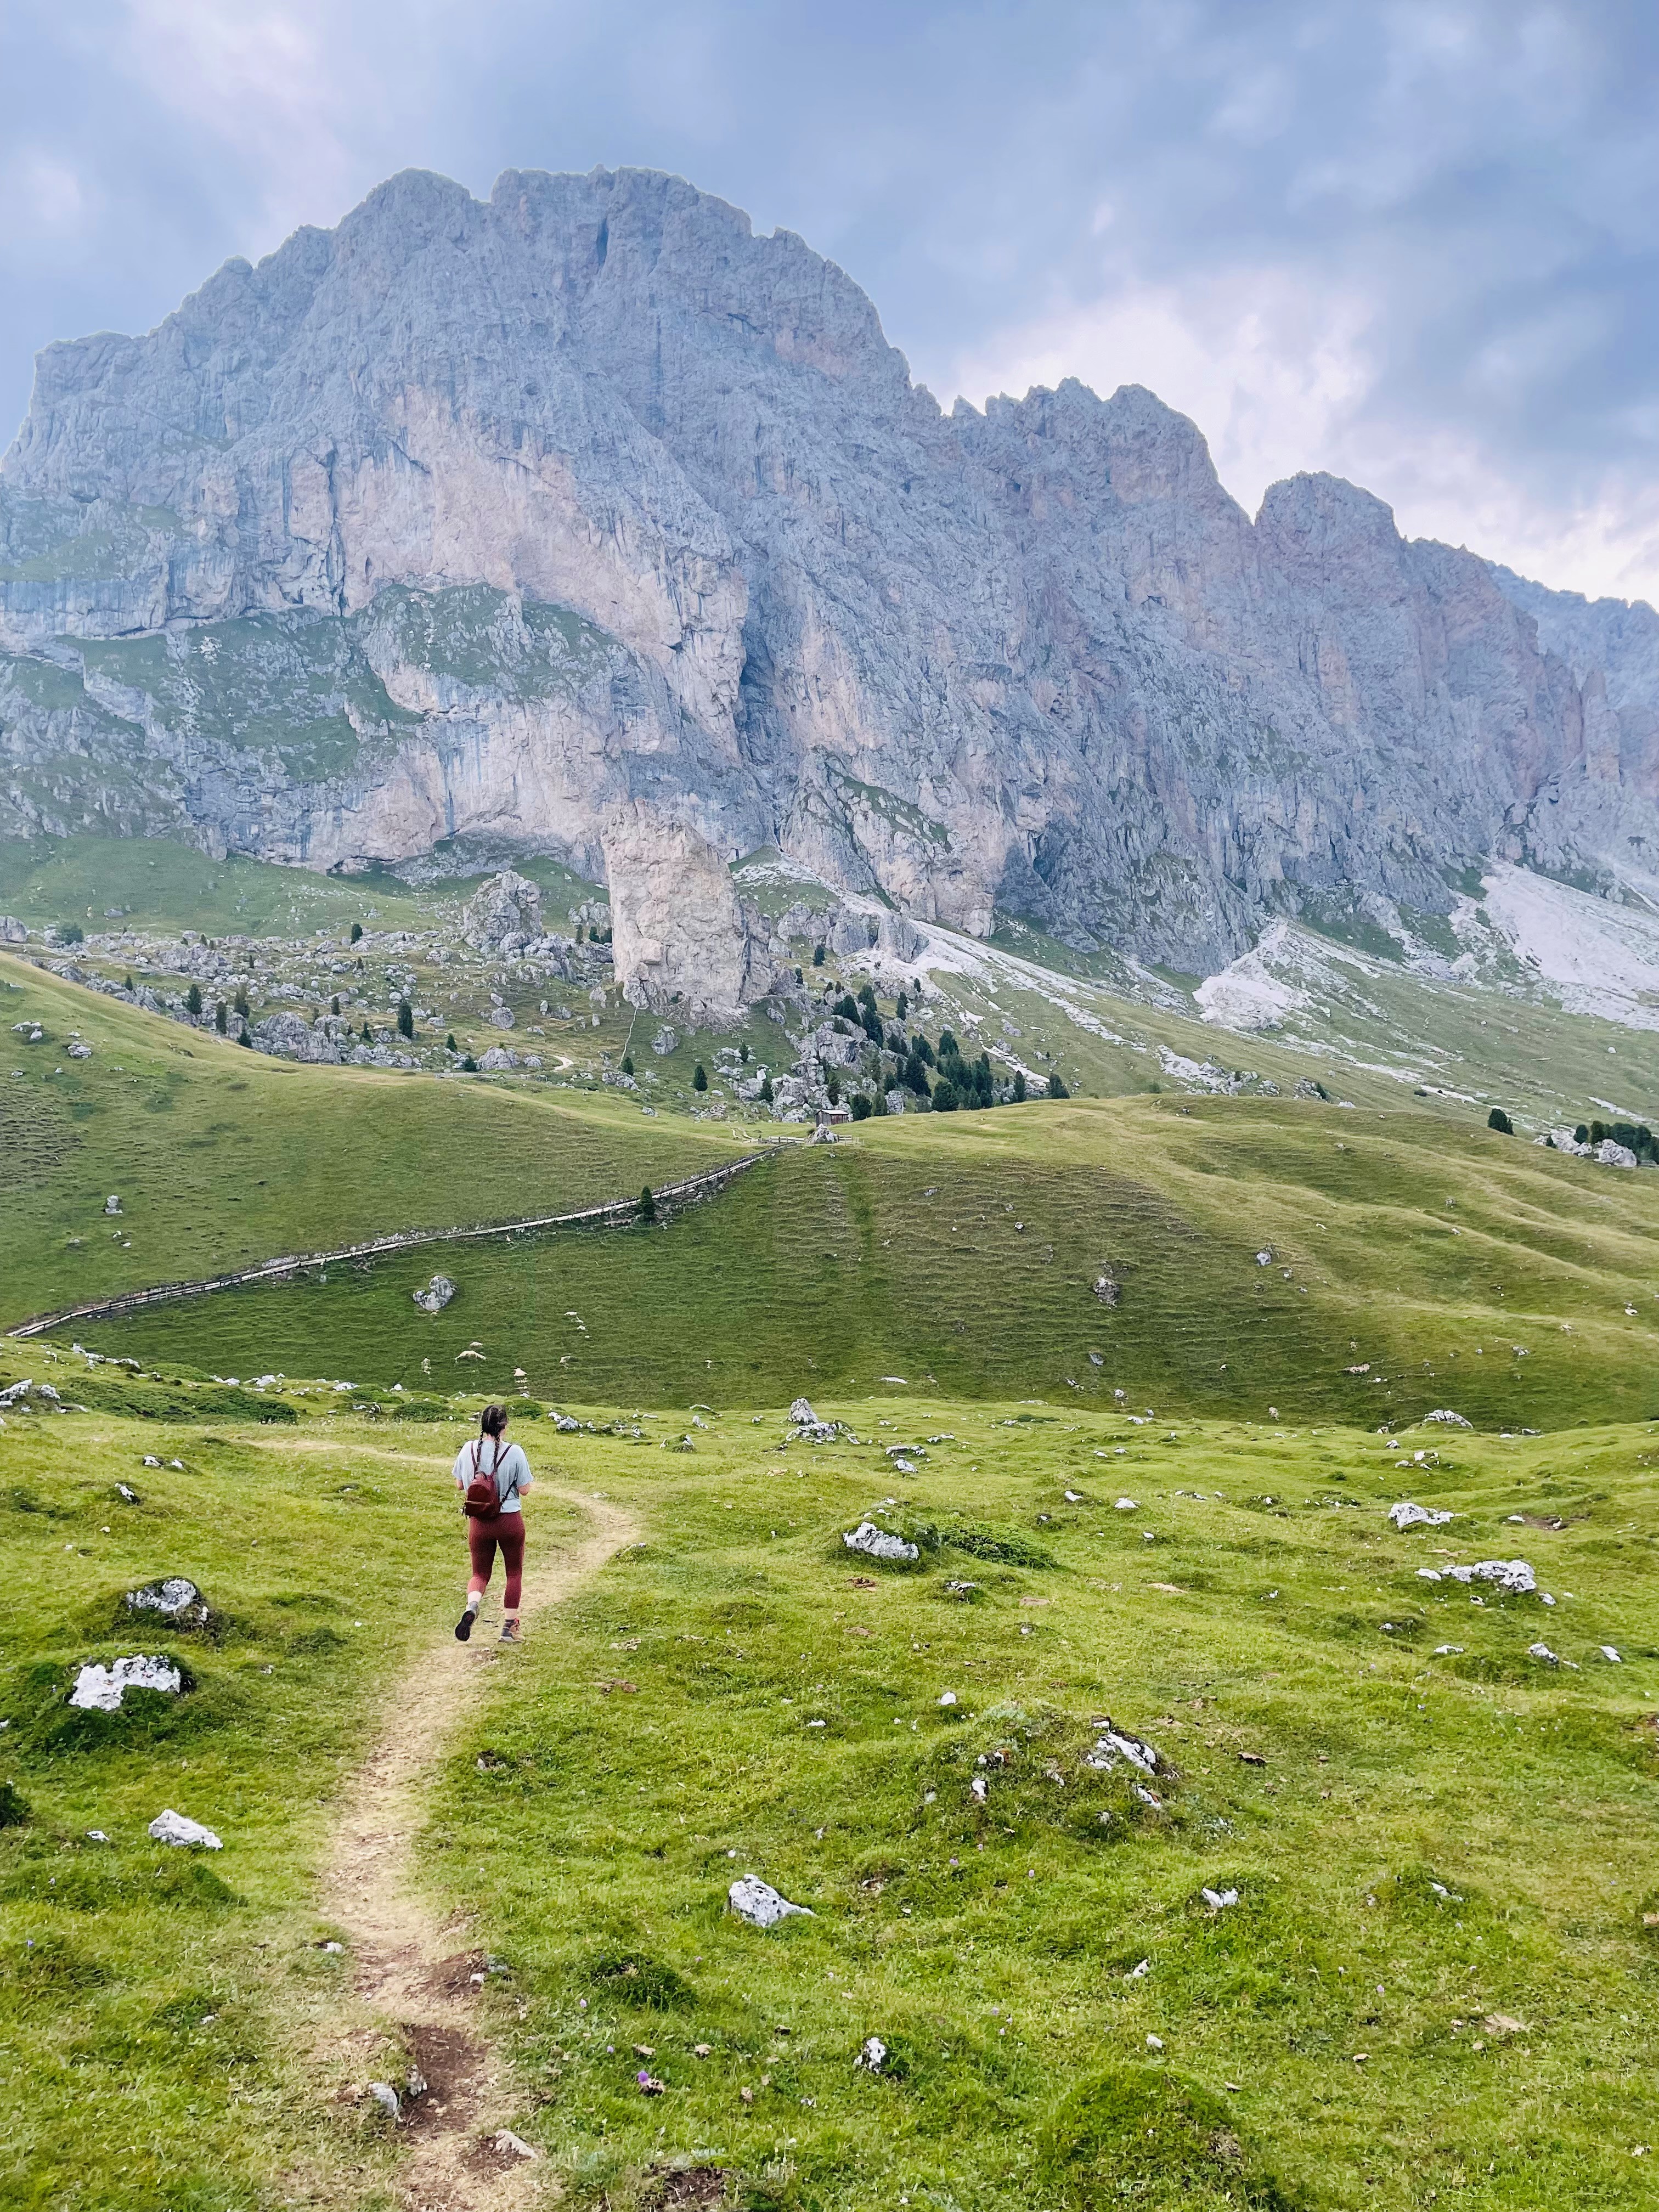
482 1501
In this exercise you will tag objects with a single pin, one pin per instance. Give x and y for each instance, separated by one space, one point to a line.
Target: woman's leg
481 1539
511 1543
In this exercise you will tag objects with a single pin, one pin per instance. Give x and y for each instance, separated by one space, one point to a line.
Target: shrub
469 1066
1499 1120
700 1077
1057 1087
817 956
628 1063
862 1109
1581 1134
647 1206
13 1810
356 933
71 932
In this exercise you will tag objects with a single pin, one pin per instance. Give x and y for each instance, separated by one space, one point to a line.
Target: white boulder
1405 1514
878 1543
100 1689
760 1905
436 1295
170 1828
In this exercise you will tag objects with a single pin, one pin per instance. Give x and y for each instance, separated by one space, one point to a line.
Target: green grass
156 2004
221 1156
161 2014
961 1253
158 884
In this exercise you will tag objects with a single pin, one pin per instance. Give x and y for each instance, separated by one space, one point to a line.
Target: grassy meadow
1409 1266
223 1157
741 1694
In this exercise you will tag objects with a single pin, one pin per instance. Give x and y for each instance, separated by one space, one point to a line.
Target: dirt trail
409 1968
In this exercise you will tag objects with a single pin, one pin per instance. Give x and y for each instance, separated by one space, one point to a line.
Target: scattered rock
387 2097
1508 1574
170 1828
665 1041
506 905
1219 1900
112 1204
1542 1651
872 2057
512 2146
175 1598
436 1295
1407 1516
879 1543
1611 1655
100 1689
760 1905
1447 1419
1107 1291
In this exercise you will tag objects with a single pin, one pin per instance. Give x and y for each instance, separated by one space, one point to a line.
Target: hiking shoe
463 1626
510 1632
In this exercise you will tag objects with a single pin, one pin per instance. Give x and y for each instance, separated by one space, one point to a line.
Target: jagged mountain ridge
583 516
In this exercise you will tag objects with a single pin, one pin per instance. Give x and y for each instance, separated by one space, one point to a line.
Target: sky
1415 245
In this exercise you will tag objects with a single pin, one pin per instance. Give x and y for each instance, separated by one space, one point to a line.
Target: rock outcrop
583 518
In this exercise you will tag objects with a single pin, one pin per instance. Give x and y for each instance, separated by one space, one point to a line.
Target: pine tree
368 1039
902 1008
648 1206
699 1078
334 1005
240 1000
743 1056
628 1063
862 1109
449 1043
766 1091
944 1097
1057 1087
356 933
469 1066
194 1002
1019 1086
817 956
833 1090
1499 1120
405 1020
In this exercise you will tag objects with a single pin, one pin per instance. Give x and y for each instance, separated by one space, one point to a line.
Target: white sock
474 1600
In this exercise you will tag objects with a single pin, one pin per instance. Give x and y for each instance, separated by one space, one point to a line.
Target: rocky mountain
584 520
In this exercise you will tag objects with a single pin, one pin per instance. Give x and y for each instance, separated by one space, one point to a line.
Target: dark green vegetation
1000 1253
1430 1986
221 1157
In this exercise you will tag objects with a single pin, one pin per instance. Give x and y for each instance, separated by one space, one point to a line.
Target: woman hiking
494 1475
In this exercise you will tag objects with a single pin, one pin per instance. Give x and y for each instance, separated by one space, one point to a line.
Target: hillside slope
1224 1256
221 1158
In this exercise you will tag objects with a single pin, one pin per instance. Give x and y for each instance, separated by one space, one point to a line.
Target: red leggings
506 1529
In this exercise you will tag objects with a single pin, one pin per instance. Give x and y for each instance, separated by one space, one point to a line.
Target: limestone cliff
583 517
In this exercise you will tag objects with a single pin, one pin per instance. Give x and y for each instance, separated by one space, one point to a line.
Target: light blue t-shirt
512 1473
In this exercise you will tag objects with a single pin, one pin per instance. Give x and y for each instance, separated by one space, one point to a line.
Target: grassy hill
1438 1977
1410 1265
221 1156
